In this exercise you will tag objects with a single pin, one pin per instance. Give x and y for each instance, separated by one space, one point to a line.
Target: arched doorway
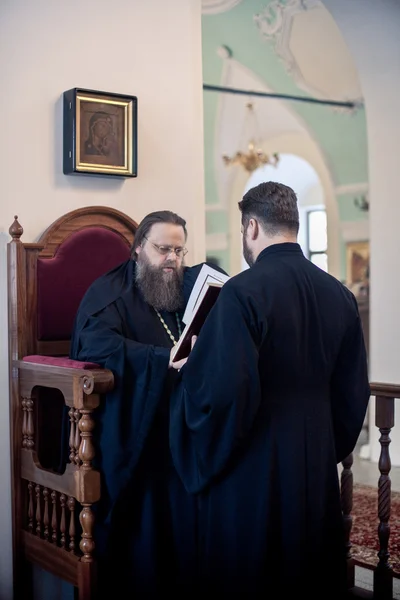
300 175
303 148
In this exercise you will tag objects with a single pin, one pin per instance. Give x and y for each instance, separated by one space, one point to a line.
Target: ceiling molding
352 188
214 7
277 16
275 24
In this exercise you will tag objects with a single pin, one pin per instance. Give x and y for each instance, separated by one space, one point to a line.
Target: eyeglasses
166 250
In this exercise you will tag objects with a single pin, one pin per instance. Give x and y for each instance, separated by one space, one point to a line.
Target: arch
298 174
304 147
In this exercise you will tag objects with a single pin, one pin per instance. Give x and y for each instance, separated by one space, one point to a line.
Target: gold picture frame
357 262
100 133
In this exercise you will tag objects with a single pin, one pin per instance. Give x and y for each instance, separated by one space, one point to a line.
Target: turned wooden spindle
77 440
46 514
86 449
72 528
31 505
346 496
71 414
28 430
54 520
87 544
384 420
24 422
63 520
38 511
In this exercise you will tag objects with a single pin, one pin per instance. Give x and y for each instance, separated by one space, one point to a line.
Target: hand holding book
179 364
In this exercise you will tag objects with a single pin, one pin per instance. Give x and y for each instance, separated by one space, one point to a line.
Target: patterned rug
364 533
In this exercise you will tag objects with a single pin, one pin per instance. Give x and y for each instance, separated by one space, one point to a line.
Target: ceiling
302 35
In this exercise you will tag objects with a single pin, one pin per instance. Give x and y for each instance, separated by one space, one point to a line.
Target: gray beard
163 291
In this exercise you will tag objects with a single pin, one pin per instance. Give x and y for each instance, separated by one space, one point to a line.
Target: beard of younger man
247 254
163 291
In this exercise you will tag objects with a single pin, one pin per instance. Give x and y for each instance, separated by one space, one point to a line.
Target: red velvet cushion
63 280
60 361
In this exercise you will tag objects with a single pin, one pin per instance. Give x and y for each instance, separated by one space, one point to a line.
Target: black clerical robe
271 399
145 521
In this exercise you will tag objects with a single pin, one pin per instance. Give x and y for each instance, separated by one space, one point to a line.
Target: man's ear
138 250
253 229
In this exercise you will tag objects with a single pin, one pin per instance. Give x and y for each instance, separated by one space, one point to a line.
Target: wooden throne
52 517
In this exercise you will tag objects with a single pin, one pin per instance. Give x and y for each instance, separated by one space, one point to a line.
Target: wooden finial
16 230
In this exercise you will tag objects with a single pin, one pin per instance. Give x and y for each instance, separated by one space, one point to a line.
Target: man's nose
171 258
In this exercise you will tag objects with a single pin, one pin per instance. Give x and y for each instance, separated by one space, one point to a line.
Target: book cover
205 301
207 273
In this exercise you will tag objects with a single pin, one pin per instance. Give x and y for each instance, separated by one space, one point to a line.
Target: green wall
341 136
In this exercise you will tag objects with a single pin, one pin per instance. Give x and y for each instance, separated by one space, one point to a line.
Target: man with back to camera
272 397
128 322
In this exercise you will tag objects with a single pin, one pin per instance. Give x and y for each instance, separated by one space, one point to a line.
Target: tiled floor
367 473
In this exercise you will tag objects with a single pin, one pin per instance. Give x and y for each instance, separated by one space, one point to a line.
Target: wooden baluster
383 575
46 514
86 449
54 521
86 455
77 441
346 497
24 422
63 521
38 512
71 414
30 429
72 528
87 544
31 507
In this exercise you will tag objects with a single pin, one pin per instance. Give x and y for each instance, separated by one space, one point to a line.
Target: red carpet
364 534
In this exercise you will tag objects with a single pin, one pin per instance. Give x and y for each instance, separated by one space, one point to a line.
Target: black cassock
145 521
272 398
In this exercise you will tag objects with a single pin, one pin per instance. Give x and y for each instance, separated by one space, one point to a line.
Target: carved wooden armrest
81 389
80 386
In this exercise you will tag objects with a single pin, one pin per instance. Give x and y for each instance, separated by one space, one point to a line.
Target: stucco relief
286 25
213 7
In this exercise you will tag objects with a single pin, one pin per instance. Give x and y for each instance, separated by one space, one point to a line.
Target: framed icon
100 133
357 259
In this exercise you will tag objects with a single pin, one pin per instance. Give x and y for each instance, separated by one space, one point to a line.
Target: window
317 239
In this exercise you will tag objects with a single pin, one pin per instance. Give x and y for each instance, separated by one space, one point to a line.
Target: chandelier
254 157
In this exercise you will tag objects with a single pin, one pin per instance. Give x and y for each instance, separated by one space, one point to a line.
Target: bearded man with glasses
128 321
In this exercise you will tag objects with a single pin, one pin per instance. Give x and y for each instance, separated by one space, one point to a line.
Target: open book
202 298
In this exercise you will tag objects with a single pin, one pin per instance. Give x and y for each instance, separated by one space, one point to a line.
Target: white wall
371 30
151 49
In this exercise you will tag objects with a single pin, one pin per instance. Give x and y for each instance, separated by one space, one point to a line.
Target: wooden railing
384 395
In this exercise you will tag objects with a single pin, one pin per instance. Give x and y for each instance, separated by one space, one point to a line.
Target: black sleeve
218 394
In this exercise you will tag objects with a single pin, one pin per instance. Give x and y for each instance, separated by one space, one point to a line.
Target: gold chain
167 329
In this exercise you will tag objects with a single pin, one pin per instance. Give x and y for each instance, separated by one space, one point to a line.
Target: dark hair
160 216
274 205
